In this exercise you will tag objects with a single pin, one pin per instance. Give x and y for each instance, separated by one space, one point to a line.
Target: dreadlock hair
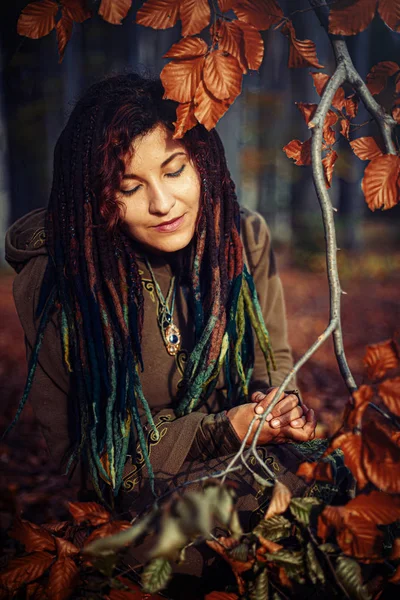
92 278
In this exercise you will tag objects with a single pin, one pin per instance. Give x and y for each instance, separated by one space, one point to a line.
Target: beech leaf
345 128
361 399
114 11
226 5
331 518
351 106
63 579
389 11
185 119
302 53
262 14
64 32
329 163
274 528
195 15
231 40
181 79
307 110
348 571
92 512
156 575
23 570
366 148
315 571
348 17
208 109
381 182
65 548
321 471
222 75
301 509
380 358
107 530
381 459
320 81
299 151
76 10
389 391
190 47
379 74
351 445
33 537
158 14
280 500
37 19
253 45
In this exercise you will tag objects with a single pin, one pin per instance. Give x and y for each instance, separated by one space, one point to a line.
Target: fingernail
275 423
259 410
295 423
269 417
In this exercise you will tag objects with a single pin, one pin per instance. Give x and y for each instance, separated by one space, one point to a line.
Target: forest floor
29 487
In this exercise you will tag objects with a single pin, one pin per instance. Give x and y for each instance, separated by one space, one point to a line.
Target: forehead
154 146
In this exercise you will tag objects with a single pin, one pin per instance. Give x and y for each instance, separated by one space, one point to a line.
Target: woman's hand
287 411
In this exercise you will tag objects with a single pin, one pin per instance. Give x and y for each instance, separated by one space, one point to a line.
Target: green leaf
315 571
292 562
301 509
240 552
108 545
329 548
258 589
171 540
349 574
156 575
274 529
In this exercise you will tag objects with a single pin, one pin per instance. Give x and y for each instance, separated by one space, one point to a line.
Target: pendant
172 339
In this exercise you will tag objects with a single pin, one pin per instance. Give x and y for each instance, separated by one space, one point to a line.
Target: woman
150 303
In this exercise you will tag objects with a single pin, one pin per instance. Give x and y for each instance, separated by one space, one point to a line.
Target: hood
26 239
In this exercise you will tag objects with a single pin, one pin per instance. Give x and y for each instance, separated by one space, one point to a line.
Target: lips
170 225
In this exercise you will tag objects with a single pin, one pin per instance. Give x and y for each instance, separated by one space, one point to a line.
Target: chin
170 243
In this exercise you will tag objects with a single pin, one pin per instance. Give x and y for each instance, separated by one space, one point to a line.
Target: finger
303 434
284 405
284 419
297 423
264 400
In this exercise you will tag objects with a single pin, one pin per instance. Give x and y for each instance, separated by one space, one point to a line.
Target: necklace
169 331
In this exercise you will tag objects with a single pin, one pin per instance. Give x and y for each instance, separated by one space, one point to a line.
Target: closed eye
135 189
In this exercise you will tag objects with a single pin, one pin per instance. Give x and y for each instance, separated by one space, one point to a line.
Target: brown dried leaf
307 110
302 53
320 80
65 548
381 182
380 358
280 500
181 78
389 11
262 14
158 14
190 47
299 151
348 17
389 391
195 15
361 399
331 518
37 19
32 536
379 74
231 40
114 11
253 45
377 507
366 148
185 119
64 31
208 109
222 75
381 459
329 133
107 529
91 512
351 444
321 471
76 9
351 106
345 128
361 539
23 570
63 579
34 591
226 5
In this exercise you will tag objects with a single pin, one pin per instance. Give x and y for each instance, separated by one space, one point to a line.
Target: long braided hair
92 279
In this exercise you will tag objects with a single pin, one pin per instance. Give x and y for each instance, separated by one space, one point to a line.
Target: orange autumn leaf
280 500
185 119
379 74
320 80
329 133
366 148
114 11
106 530
345 128
307 109
32 536
65 548
253 45
331 518
92 512
181 78
195 15
361 539
320 471
381 182
222 75
23 570
158 14
63 579
231 39
351 445
64 31
76 9
389 391
37 19
302 53
299 151
389 11
377 507
351 106
34 591
226 5
361 399
221 596
348 17
208 109
262 14
381 459
190 47
380 358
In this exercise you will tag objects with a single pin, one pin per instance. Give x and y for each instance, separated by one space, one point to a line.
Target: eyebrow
163 164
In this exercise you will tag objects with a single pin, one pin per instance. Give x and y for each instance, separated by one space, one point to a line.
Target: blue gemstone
173 339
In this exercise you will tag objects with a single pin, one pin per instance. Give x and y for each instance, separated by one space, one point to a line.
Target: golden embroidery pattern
38 239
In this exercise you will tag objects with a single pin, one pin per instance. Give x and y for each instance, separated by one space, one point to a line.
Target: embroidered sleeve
215 437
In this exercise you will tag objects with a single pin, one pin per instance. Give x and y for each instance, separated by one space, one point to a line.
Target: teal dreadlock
92 279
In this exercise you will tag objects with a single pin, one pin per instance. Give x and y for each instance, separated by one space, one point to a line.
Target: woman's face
160 192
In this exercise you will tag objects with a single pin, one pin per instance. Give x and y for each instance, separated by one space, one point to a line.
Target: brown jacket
26 252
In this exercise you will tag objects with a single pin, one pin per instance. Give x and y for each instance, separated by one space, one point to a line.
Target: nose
161 199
